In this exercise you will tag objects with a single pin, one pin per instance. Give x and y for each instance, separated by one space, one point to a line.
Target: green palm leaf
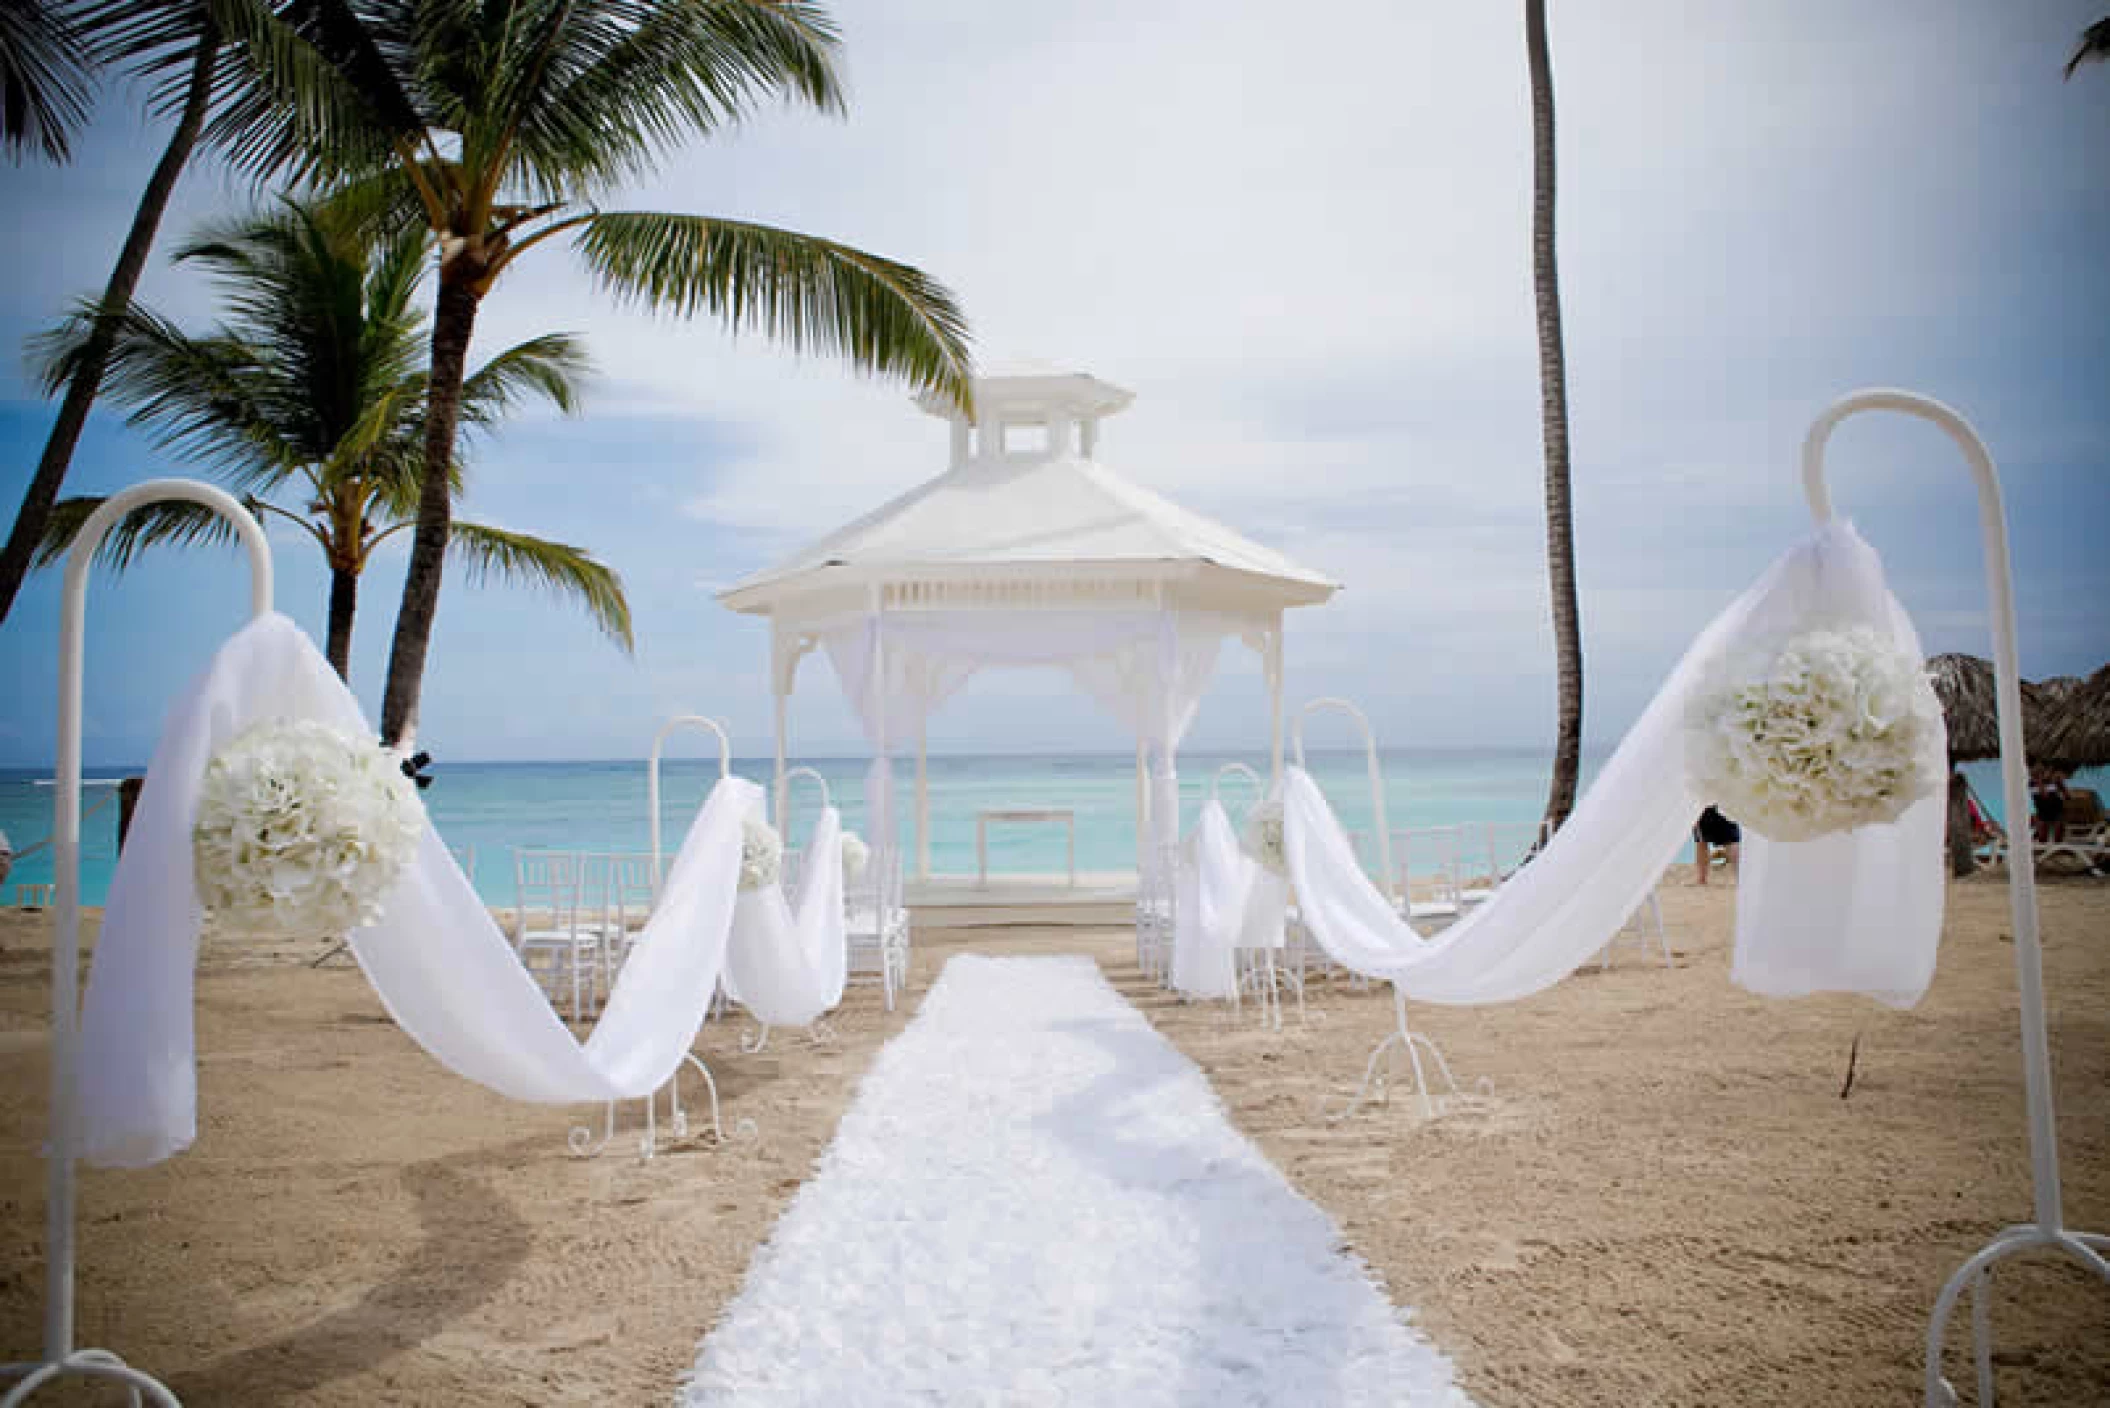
806 292
486 552
45 71
164 522
619 94
202 397
553 367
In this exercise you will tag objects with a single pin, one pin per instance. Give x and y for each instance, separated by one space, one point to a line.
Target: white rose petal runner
1036 1199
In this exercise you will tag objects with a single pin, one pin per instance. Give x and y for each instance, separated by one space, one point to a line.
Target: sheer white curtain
1859 912
437 960
1147 667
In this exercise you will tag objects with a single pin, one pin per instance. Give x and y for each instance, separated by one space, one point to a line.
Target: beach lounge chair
2085 836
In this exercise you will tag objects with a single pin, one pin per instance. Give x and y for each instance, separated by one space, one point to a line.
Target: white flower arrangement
1834 730
761 853
856 856
1263 837
301 832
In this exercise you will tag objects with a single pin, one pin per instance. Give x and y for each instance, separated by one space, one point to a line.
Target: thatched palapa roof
2065 720
2076 729
1964 684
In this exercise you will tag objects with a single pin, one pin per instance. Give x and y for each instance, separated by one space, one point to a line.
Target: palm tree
1553 428
44 77
503 123
2093 48
180 48
308 400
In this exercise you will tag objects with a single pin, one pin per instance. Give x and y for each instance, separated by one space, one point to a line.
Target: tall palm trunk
87 377
344 603
1553 427
453 324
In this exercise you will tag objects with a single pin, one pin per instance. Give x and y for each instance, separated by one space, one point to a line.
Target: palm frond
163 522
806 292
485 552
2094 46
304 91
618 95
45 73
554 367
202 397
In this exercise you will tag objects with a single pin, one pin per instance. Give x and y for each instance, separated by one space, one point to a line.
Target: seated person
1713 831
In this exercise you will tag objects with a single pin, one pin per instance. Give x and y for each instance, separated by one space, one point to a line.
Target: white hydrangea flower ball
1263 837
856 856
1836 729
761 853
301 832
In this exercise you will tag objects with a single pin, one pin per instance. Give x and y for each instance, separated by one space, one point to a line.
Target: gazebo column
1271 666
1142 809
780 671
922 800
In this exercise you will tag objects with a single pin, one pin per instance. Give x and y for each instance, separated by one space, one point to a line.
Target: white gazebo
1027 551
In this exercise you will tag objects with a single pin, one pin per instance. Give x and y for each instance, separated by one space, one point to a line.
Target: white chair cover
1228 901
787 967
1859 912
441 966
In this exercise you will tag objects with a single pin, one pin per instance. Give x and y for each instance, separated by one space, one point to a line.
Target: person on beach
1714 831
2047 796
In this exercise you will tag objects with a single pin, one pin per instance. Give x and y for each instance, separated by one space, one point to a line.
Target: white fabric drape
785 963
1859 912
1227 901
439 963
1216 876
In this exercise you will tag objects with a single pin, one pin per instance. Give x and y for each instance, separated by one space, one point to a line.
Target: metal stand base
583 1142
1375 1071
2088 1248
86 1364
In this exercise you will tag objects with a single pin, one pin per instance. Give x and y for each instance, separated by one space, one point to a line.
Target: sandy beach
1658 1198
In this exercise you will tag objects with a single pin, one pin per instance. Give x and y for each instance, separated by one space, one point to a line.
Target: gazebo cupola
1030 411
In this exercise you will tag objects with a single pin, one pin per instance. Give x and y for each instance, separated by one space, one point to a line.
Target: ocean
493 808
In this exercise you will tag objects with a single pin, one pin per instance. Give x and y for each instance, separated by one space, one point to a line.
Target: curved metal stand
584 1143
61 1358
1378 1067
2049 1229
1402 1037
755 1042
85 1364
2088 1248
659 745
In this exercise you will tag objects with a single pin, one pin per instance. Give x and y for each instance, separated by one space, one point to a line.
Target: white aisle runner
1036 1199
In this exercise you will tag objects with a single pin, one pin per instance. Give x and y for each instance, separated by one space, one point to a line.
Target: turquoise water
600 806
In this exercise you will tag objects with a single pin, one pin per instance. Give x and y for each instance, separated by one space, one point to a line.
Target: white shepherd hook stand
61 1359
582 1139
1401 1038
2049 1229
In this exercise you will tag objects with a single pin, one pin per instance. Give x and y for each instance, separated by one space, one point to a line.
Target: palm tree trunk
87 379
1553 424
344 602
454 323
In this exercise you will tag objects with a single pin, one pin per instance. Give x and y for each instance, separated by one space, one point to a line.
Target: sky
1305 246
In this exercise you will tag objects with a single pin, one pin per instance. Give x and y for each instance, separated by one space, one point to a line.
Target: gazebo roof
1034 525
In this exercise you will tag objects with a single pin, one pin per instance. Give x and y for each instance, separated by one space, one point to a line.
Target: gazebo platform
962 901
